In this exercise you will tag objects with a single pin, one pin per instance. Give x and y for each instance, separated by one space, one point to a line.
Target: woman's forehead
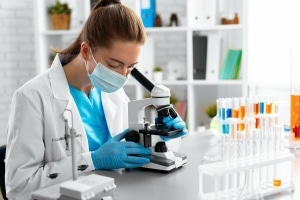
122 51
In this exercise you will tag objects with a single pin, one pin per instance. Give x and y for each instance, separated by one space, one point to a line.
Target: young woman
81 90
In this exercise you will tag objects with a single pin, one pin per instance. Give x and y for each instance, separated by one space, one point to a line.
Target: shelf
60 32
217 82
175 82
218 28
164 82
167 29
184 28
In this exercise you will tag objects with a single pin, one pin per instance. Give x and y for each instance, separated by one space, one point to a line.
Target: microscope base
166 164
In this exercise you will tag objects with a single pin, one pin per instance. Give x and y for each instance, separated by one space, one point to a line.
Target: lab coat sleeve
26 166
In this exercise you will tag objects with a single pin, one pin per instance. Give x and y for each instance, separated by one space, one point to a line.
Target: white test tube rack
229 167
219 170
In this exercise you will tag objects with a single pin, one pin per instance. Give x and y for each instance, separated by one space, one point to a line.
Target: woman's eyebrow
116 60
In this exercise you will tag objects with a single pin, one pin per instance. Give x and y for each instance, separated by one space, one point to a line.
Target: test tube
269 123
228 138
278 133
225 127
235 119
250 126
241 131
229 135
242 113
256 111
222 125
262 124
235 139
224 131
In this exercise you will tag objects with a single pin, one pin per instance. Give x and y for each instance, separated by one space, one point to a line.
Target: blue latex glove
176 123
116 154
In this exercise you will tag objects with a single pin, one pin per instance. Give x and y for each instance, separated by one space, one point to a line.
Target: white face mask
106 79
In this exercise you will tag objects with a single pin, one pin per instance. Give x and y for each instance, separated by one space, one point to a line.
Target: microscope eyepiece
142 79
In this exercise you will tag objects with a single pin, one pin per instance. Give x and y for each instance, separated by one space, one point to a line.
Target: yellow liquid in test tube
277 182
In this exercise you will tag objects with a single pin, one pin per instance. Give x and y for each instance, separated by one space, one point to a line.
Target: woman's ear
84 50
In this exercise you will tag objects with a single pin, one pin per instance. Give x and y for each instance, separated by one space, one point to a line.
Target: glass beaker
295 98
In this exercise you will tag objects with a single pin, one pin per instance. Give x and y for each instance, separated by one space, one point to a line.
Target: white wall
17 64
273 32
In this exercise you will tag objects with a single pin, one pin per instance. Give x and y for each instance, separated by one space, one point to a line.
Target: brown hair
109 20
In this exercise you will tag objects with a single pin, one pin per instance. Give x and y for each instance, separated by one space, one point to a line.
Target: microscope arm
136 113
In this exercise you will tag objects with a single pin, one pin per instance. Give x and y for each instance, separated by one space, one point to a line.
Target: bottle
158 21
235 19
173 20
295 99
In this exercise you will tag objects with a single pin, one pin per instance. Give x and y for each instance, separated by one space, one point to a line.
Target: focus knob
132 136
161 147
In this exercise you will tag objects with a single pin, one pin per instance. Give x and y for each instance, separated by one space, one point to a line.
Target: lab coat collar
58 80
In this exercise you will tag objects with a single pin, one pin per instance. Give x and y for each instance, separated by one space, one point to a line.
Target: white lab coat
36 118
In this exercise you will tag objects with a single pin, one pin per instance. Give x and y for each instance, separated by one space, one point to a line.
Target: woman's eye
114 66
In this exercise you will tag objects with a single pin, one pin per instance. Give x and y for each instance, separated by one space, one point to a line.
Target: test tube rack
220 169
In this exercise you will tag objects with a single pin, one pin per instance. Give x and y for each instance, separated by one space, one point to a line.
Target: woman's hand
176 123
116 154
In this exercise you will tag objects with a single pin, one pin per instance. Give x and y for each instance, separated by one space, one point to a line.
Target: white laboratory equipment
85 187
256 163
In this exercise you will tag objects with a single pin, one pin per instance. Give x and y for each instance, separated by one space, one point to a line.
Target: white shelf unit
197 93
170 43
47 38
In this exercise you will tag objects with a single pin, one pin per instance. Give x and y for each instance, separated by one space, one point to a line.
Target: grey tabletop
182 183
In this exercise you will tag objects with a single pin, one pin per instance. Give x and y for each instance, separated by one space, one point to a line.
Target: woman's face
121 57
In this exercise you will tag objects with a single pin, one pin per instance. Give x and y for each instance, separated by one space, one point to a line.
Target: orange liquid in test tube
256 112
295 117
235 113
242 116
269 108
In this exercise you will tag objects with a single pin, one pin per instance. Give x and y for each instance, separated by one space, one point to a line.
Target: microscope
148 134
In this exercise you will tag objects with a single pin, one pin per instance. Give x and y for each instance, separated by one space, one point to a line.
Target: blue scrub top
92 115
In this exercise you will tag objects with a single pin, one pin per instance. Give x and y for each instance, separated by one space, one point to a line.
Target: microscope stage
162 132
